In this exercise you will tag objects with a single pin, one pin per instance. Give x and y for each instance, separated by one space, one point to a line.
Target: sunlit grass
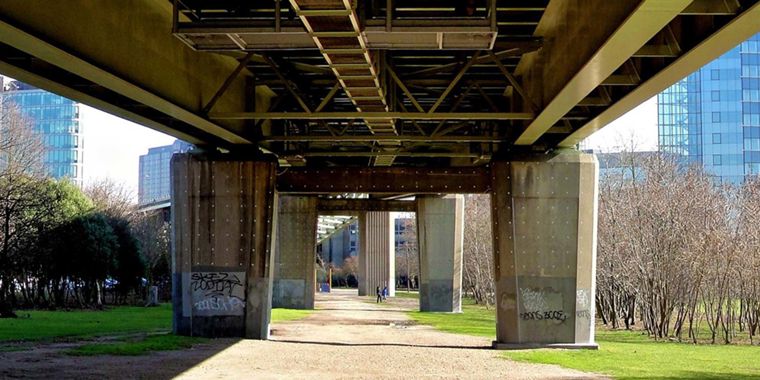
622 354
38 324
404 294
631 355
473 320
283 315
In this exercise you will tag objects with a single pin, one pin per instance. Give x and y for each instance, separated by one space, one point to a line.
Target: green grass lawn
404 294
474 320
36 325
631 355
41 325
282 315
622 354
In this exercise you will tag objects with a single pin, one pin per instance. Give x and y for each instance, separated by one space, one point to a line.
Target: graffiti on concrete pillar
549 315
216 293
585 314
582 304
542 305
533 299
507 301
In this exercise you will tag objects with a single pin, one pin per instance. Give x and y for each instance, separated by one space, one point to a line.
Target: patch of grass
137 346
41 325
631 355
473 320
622 354
405 294
283 315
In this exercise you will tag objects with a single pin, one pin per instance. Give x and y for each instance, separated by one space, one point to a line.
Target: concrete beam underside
544 228
377 253
295 253
223 220
127 48
440 233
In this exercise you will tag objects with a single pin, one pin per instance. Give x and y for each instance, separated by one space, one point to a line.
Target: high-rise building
712 117
56 119
154 184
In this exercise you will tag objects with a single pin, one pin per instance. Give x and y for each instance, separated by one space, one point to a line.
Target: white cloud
112 147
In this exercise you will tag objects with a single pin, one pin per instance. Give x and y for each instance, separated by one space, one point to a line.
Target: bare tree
111 198
477 274
407 256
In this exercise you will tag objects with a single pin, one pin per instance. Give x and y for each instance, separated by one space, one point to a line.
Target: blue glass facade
154 184
57 120
711 116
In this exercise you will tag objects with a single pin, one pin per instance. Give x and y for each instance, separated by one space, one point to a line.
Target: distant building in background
154 183
57 120
340 246
712 117
344 243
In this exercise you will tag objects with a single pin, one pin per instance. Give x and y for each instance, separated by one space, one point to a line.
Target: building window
715 96
716 138
717 160
715 74
716 117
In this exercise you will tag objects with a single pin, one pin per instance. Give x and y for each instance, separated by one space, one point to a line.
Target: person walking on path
379 296
385 293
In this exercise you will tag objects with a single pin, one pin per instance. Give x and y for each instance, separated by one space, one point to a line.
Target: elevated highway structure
306 98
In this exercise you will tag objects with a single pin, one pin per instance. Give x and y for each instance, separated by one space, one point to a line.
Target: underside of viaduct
292 103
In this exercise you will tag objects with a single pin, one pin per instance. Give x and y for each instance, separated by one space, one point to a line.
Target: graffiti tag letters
542 305
553 315
217 293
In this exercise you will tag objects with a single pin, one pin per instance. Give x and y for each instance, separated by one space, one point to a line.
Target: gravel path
347 337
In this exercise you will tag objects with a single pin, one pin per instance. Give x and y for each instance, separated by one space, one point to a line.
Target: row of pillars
440 237
229 225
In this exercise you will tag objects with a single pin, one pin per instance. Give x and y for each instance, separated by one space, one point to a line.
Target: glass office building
712 117
154 184
57 120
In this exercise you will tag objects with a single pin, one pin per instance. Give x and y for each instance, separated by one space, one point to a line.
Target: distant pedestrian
379 295
385 293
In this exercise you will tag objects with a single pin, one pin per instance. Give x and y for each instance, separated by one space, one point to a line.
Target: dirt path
346 337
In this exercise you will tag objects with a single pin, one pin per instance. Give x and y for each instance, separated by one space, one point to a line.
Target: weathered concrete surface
440 232
132 42
223 220
544 223
295 253
377 253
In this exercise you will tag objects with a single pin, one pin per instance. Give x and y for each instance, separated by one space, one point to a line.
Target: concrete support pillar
223 222
544 229
440 232
295 253
377 253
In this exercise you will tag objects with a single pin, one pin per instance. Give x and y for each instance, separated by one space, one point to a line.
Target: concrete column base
529 346
544 230
223 221
440 232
